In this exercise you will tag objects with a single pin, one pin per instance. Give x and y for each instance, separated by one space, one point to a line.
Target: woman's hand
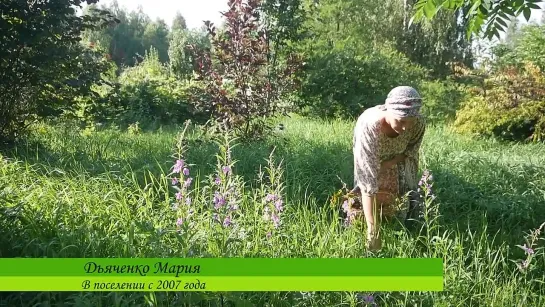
386 165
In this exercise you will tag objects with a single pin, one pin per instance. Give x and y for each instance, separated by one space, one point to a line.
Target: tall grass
109 193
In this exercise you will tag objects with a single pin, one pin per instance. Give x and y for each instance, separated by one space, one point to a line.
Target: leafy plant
491 15
442 100
149 93
185 45
240 58
44 66
510 105
344 82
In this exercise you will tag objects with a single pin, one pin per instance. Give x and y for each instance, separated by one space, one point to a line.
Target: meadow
66 192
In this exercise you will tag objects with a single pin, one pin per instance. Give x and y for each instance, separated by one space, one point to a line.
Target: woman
386 145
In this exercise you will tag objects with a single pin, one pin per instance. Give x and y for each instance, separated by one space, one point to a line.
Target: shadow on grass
311 169
497 200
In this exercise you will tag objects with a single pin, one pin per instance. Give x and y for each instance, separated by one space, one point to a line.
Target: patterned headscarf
403 101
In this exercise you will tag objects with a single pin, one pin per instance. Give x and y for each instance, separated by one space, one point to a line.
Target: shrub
149 93
510 106
527 47
241 56
441 100
345 81
44 66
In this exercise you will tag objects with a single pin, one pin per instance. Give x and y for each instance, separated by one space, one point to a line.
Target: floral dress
371 147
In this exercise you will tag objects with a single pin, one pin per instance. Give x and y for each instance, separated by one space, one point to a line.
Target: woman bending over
386 146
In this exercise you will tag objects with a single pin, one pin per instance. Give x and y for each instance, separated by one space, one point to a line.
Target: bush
149 93
44 65
510 106
441 100
241 56
527 47
343 82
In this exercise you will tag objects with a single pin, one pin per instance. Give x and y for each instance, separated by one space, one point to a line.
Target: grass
108 194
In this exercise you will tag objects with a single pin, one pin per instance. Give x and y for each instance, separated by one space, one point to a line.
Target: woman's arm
412 150
390 163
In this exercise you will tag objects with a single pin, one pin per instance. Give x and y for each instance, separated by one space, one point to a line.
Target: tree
125 41
490 15
434 44
156 35
44 65
236 72
184 47
178 23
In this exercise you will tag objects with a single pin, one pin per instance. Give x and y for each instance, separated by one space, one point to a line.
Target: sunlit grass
109 194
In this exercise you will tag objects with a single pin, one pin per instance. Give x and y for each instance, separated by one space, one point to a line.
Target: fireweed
272 204
181 182
530 249
366 299
426 206
225 186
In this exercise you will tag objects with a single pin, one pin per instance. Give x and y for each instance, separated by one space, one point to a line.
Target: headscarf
403 101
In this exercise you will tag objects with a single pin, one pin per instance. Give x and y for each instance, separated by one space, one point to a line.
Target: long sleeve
366 158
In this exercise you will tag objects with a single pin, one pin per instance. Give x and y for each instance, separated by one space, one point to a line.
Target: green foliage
149 93
441 100
156 35
241 57
527 48
493 16
337 23
44 66
184 47
178 23
435 43
111 193
510 106
344 81
127 41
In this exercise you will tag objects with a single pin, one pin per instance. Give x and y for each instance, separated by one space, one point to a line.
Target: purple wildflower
217 181
425 184
178 166
219 201
233 207
227 221
279 205
179 222
186 171
271 197
366 299
174 181
215 216
226 170
346 207
188 201
276 220
188 182
178 195
351 215
528 250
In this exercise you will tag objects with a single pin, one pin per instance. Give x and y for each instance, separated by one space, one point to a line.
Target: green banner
221 267
223 283
221 274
